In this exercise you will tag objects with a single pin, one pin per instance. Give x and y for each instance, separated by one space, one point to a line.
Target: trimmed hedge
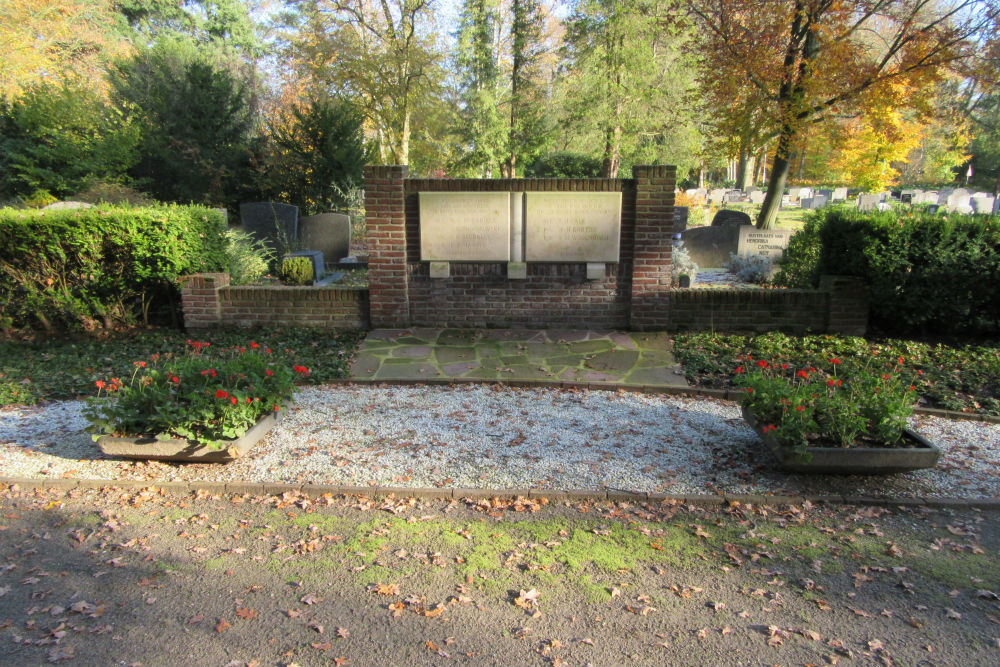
105 266
928 273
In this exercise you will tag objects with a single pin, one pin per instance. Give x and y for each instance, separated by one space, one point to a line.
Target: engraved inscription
465 226
572 226
769 243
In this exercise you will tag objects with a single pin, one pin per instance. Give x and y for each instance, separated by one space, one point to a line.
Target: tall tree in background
807 58
482 126
383 56
227 23
527 103
625 80
56 41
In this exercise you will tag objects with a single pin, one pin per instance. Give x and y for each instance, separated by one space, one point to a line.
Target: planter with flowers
828 421
202 406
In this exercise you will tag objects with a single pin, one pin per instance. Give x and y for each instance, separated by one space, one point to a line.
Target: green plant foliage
203 396
297 271
247 258
564 164
54 367
195 111
315 157
59 137
954 377
926 272
102 266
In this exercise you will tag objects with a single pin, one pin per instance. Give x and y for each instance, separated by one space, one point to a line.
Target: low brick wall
839 306
209 302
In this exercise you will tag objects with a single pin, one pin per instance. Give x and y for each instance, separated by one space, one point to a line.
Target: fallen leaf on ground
222 626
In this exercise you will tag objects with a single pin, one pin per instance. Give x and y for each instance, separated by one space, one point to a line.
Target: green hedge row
101 267
928 273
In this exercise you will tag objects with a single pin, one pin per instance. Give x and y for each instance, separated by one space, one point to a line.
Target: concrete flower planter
184 450
853 460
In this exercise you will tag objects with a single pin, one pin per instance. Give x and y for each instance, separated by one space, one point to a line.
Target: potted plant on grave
205 405
834 422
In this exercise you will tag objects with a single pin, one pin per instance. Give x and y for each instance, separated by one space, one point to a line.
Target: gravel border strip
573 495
725 394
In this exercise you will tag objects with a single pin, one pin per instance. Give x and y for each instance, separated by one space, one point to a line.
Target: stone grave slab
813 203
839 194
330 233
867 202
680 218
464 226
572 226
767 242
273 223
757 197
983 204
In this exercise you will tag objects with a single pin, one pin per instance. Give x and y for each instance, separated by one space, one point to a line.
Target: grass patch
964 377
48 368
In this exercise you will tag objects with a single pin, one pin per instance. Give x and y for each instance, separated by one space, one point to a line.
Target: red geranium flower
762 363
835 361
221 394
100 384
802 374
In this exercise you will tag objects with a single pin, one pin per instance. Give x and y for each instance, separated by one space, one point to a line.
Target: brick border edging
724 394
443 493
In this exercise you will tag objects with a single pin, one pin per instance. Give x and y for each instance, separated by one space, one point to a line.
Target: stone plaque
572 226
767 242
465 226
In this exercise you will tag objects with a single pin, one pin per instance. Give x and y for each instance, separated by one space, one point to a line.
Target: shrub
750 268
297 271
681 263
103 266
927 273
247 258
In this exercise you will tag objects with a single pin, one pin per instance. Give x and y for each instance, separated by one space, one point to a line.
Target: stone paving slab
621 358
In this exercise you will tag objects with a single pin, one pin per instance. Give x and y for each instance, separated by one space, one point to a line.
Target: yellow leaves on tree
55 40
871 143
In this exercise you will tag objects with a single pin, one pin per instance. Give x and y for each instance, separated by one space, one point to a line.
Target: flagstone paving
548 355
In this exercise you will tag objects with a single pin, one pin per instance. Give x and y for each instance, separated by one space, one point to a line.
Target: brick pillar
654 227
849 304
200 299
385 216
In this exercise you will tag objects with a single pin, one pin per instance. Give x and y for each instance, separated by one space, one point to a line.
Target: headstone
730 218
929 197
996 206
983 204
767 242
273 223
906 197
223 214
814 202
960 201
711 247
867 202
757 197
572 226
839 194
943 195
716 196
805 193
329 233
884 206
464 226
701 193
828 193
680 218
933 208
66 206
733 196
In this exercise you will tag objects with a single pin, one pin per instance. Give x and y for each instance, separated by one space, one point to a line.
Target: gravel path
477 436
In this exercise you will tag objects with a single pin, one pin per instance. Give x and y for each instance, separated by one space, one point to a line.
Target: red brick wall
552 295
385 219
654 231
210 302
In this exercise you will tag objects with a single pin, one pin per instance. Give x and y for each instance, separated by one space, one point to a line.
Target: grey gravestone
884 206
960 201
933 208
701 193
330 233
729 218
716 196
906 198
757 197
839 194
271 222
996 206
943 196
929 197
814 202
711 247
733 196
867 202
826 193
983 204
680 219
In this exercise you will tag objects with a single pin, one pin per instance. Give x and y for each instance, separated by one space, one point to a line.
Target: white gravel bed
478 436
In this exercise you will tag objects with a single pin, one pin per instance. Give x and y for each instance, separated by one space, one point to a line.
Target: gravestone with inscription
867 202
680 218
330 233
273 223
572 226
465 226
770 243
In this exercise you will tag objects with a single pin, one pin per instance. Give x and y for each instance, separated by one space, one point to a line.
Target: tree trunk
404 140
612 143
743 171
776 183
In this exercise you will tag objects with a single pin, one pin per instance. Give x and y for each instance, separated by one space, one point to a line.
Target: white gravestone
465 226
767 242
572 226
